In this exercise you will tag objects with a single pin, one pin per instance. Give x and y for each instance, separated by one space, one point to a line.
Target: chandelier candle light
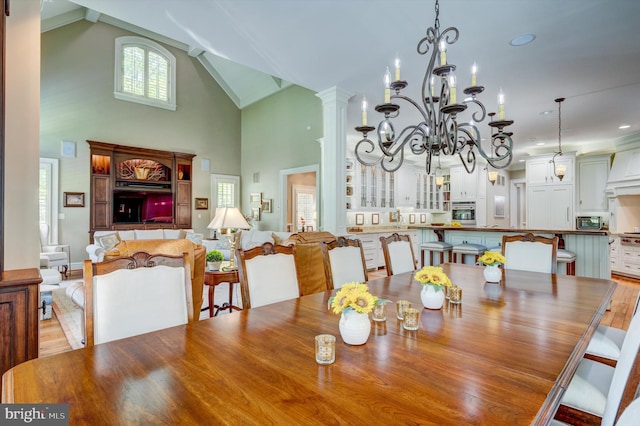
438 132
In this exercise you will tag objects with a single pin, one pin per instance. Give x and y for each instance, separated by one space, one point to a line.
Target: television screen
142 207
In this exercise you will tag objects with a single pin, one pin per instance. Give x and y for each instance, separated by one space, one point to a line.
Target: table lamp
230 218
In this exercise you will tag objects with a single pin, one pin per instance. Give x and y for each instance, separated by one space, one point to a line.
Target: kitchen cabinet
550 202
463 185
614 254
550 207
439 199
406 187
540 170
369 187
593 173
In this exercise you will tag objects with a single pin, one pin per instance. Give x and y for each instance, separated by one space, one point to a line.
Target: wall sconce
493 177
439 181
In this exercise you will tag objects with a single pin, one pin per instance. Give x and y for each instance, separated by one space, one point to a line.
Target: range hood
624 176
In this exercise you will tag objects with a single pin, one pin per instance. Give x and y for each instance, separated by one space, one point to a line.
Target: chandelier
438 133
559 170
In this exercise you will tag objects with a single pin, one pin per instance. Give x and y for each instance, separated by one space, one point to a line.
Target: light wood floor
53 340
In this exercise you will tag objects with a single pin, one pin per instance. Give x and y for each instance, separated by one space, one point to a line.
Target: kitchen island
590 246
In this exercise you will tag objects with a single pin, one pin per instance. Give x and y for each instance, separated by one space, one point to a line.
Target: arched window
145 73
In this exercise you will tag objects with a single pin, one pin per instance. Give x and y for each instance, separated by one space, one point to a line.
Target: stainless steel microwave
589 222
465 213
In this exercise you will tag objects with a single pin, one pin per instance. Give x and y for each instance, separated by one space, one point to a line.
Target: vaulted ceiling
587 51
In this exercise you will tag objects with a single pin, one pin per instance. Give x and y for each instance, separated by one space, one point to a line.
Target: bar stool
569 258
435 247
476 250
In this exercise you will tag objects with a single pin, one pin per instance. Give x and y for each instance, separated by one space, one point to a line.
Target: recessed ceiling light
522 39
540 143
520 161
624 126
547 112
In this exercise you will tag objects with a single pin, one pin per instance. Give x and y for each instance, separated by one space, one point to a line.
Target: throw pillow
194 238
108 241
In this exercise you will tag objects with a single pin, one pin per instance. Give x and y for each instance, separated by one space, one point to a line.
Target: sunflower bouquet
354 296
491 258
433 276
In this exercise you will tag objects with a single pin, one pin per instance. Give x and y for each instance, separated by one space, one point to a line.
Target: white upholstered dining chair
598 392
133 295
268 274
398 254
606 343
530 253
57 255
344 262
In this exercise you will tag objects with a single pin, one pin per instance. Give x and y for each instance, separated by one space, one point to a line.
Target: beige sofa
106 240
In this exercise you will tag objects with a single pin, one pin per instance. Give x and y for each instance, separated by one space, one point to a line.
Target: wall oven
464 212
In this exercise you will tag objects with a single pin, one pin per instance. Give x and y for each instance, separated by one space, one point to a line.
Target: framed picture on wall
266 205
202 203
255 198
412 218
255 213
74 199
394 216
359 218
375 218
423 218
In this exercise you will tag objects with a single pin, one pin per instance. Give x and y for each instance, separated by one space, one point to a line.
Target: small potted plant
214 259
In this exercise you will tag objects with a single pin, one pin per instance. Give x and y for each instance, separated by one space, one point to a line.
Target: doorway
298 196
518 204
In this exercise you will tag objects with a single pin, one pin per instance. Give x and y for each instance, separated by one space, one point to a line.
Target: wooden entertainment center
139 188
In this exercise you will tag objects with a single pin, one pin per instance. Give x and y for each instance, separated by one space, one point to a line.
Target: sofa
172 247
106 240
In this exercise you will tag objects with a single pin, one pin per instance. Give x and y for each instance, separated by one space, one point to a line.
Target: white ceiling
587 51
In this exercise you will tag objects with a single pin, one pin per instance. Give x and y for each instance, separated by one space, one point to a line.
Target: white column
334 153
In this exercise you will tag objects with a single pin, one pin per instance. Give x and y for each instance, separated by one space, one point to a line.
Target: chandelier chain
437 23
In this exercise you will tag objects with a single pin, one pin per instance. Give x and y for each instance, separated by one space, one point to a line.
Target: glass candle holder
455 295
379 312
411 319
401 305
325 349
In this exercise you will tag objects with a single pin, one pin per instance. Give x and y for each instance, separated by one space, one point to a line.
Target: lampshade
228 217
493 177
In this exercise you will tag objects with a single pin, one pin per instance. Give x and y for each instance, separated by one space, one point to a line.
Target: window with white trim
145 73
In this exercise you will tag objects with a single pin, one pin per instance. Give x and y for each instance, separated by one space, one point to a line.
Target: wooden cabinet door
18 317
183 205
101 206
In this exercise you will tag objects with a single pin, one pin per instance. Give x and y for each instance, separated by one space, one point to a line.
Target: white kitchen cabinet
371 188
463 185
550 203
406 190
593 172
614 254
550 207
540 170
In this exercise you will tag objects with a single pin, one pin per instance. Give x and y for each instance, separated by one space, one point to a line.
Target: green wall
279 132
77 103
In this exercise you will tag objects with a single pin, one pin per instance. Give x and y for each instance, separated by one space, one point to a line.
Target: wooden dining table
502 357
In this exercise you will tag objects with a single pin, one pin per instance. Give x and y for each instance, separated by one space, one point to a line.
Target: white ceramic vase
354 328
432 298
492 274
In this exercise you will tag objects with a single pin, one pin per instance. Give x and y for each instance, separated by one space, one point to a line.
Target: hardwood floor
53 340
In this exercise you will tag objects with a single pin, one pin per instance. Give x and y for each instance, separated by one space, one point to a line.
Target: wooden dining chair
598 393
530 253
133 295
343 262
268 274
606 343
398 254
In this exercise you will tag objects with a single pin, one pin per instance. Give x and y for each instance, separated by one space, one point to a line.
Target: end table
212 279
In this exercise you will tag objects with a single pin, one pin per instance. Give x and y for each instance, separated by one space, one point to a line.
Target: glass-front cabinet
373 188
